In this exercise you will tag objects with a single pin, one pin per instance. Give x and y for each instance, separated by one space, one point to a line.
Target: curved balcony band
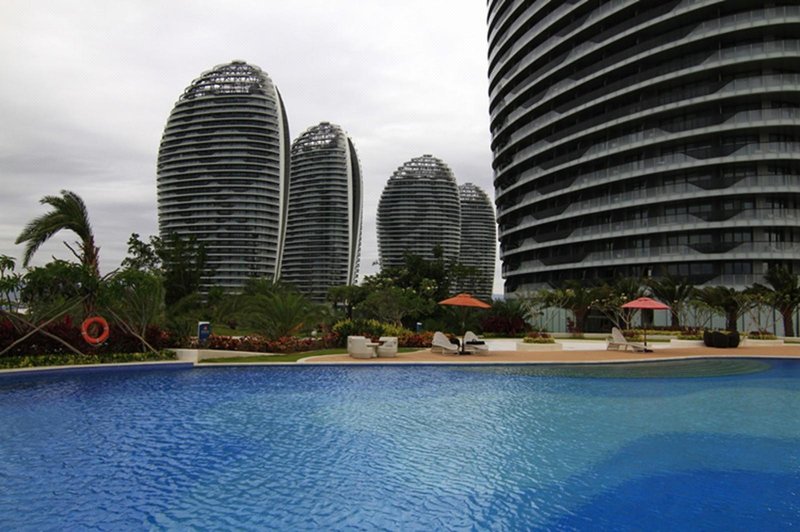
645 138
223 169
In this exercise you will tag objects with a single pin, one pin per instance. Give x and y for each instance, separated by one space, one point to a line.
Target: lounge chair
388 347
618 342
473 344
442 343
360 347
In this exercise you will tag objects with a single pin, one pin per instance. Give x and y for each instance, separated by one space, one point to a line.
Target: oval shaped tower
323 237
419 210
478 237
645 138
223 167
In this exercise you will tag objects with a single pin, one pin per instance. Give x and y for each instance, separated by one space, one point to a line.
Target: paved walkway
579 351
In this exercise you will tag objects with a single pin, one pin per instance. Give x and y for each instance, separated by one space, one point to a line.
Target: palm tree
784 295
727 301
675 292
576 298
69 212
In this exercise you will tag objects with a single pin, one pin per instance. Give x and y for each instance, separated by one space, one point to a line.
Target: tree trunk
676 321
580 320
788 325
730 319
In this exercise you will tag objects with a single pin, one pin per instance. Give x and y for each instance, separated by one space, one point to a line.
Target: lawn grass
294 357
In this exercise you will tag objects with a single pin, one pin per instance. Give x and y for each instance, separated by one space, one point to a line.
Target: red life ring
94 340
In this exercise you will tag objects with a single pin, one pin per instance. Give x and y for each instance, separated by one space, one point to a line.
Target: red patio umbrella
645 303
466 301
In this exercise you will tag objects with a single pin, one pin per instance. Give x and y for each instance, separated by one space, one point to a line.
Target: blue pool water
404 448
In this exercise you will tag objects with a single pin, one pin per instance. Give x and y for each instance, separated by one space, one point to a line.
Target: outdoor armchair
388 347
360 347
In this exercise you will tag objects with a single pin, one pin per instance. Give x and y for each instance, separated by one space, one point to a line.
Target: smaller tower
323 237
419 211
478 237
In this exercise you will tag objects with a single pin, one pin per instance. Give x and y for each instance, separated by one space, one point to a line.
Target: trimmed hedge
71 359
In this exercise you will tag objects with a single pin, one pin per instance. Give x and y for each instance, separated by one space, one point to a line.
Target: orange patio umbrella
645 303
466 301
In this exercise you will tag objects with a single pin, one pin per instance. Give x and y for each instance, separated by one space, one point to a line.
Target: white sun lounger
442 343
618 342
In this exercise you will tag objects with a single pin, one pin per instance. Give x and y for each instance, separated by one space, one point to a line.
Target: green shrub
538 338
72 359
761 335
370 328
411 339
262 344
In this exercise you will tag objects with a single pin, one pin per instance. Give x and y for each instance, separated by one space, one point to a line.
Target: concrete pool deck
573 352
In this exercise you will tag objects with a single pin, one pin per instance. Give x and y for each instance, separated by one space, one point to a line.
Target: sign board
203 331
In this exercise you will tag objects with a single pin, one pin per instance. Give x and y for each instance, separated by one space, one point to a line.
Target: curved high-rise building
323 236
419 211
478 238
223 171
642 138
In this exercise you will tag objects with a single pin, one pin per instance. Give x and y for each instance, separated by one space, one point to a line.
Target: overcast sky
86 87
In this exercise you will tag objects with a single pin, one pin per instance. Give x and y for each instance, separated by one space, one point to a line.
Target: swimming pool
404 448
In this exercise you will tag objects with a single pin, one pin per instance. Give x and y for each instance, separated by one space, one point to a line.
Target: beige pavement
572 356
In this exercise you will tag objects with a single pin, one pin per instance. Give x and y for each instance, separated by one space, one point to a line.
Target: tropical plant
610 298
135 299
507 317
69 213
538 338
278 310
576 298
675 292
369 328
393 304
348 296
10 285
725 300
784 294
56 288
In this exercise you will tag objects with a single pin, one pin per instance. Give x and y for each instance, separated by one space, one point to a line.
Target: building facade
223 168
645 138
478 240
323 238
419 213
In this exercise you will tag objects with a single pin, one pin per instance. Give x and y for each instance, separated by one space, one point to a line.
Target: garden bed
749 342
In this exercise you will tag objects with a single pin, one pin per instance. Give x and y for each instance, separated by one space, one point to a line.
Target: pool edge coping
181 364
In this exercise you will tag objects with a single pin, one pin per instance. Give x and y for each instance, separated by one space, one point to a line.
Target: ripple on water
387 448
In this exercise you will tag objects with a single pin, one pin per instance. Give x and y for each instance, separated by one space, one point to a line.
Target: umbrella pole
644 329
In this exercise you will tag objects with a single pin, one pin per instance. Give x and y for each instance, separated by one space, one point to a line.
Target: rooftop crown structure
646 138
478 239
419 212
223 169
324 224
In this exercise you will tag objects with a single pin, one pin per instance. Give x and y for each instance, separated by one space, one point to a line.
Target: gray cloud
87 86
